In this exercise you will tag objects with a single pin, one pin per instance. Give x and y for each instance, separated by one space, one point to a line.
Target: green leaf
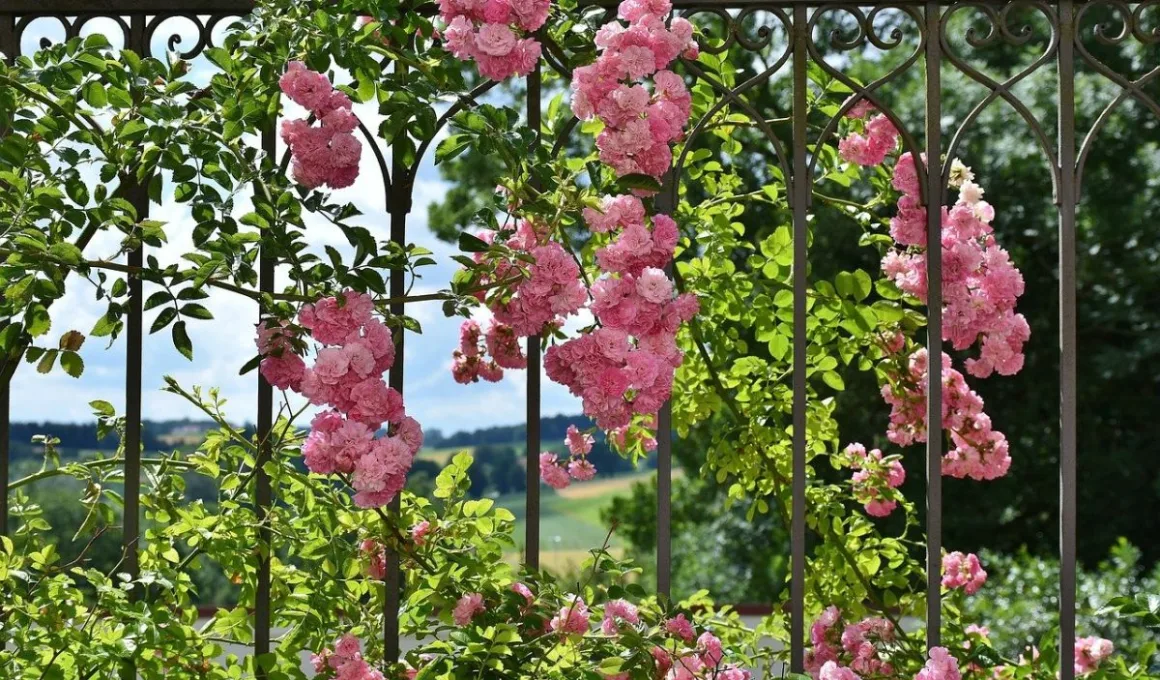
221 58
638 181
102 408
72 364
470 243
47 361
196 311
232 130
163 319
251 364
157 299
94 94
104 325
833 380
181 340
37 321
66 253
451 147
96 41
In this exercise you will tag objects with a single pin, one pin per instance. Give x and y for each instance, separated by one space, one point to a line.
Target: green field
570 523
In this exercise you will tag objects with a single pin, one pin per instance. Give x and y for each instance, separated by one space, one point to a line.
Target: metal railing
140 21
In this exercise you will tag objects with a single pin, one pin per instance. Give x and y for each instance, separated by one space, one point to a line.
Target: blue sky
222 345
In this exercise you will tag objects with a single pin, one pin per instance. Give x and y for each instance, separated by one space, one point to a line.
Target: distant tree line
83 436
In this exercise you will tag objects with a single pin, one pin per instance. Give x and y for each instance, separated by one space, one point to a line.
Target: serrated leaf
196 311
47 361
72 364
72 341
94 94
163 319
181 340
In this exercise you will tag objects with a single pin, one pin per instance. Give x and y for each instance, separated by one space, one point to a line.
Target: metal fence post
934 439
802 192
1066 200
262 492
535 361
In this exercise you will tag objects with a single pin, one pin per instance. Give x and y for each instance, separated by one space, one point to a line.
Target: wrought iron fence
141 20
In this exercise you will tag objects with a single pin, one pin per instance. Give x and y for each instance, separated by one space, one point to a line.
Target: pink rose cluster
847 652
375 554
495 34
639 125
705 661
572 618
347 376
625 368
550 290
281 365
466 608
880 137
344 662
963 571
623 371
980 283
618 613
324 154
940 666
470 362
874 478
979 452
557 473
1090 653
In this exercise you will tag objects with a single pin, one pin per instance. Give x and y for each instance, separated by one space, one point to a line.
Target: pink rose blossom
963 571
468 606
419 532
572 619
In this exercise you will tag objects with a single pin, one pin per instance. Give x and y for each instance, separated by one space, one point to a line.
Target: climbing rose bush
622 368
638 291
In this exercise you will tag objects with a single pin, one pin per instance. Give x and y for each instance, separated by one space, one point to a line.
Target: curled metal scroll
867 33
205 27
999 29
72 27
734 96
736 27
1131 22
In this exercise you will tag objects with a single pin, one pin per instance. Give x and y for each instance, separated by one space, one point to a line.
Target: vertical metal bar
665 500
532 492
666 202
262 493
801 198
934 193
137 194
1066 200
8 43
393 578
399 206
